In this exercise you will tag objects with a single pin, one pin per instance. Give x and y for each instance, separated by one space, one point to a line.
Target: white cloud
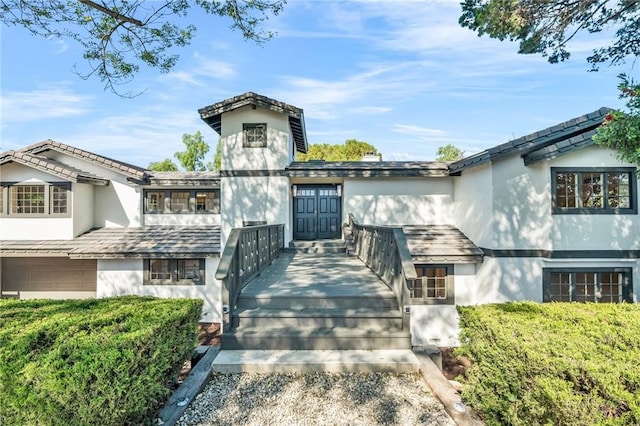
203 68
55 101
370 110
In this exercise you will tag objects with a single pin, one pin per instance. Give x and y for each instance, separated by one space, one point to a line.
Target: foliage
192 158
118 36
449 153
620 130
351 150
89 362
545 27
556 363
165 165
217 159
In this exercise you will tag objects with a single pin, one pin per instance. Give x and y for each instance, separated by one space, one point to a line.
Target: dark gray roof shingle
559 148
536 141
440 244
212 114
366 168
210 179
52 167
132 171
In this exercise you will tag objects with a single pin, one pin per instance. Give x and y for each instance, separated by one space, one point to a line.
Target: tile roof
536 141
212 114
559 148
132 171
367 168
135 242
52 167
185 178
440 244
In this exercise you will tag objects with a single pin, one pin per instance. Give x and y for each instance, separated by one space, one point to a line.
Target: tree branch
112 13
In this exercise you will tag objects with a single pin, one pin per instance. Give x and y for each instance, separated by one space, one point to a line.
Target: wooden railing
384 250
248 251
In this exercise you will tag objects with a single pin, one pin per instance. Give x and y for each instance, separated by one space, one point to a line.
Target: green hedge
87 362
553 364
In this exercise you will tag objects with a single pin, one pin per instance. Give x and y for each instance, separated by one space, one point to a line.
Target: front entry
317 212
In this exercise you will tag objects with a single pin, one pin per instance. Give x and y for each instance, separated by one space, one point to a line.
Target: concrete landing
284 361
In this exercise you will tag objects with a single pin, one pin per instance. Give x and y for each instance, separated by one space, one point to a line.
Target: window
35 200
174 272
594 190
182 202
434 285
587 285
254 135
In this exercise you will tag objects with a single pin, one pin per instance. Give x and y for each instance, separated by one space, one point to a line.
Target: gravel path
316 399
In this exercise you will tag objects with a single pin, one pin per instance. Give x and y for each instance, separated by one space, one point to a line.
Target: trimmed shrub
80 362
555 363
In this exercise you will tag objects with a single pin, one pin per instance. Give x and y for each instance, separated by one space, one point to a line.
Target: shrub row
105 361
557 363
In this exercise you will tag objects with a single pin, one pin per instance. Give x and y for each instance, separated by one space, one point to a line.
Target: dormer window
254 135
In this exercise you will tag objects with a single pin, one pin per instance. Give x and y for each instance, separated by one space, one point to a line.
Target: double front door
317 212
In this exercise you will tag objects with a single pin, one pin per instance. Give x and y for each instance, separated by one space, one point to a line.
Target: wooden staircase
315 297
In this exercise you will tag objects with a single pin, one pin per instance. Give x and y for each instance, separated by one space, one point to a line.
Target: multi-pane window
181 201
50 199
174 272
254 135
587 285
434 284
594 191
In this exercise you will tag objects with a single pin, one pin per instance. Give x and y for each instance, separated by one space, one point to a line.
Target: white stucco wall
254 199
182 219
439 324
473 204
117 277
82 207
391 201
278 152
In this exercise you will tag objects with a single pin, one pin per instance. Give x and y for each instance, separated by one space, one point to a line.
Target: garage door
48 277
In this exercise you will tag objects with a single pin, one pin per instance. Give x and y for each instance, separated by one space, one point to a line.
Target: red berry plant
620 130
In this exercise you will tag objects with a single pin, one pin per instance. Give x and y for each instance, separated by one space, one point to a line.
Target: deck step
318 246
301 361
367 318
325 338
277 301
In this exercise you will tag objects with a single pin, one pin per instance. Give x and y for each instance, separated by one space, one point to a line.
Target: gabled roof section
559 148
366 169
212 114
208 179
52 167
561 138
131 171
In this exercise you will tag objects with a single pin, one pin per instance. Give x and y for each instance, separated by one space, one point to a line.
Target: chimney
370 156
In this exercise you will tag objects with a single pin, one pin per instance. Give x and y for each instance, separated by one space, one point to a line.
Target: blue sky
403 76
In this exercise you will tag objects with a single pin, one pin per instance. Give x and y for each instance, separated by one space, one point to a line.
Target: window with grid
587 285
27 199
180 201
434 284
594 190
174 271
254 135
58 199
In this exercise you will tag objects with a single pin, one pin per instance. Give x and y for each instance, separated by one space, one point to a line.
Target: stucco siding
278 152
117 205
265 199
417 201
473 205
117 277
82 207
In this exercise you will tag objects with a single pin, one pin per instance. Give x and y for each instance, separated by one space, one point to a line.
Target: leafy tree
165 165
118 36
351 150
192 158
449 153
621 131
217 160
545 27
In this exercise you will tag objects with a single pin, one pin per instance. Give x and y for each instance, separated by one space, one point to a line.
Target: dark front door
317 212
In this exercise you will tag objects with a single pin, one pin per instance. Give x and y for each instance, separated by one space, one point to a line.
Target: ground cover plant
556 363
105 361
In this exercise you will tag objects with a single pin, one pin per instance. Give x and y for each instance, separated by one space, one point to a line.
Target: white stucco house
546 217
